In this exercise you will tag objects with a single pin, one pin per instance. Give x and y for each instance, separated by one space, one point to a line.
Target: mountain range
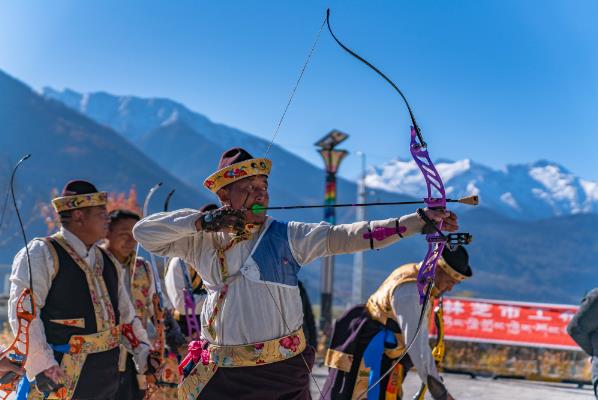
163 128
533 191
543 255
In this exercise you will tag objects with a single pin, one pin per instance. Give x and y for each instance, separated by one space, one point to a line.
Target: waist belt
95 342
203 359
75 353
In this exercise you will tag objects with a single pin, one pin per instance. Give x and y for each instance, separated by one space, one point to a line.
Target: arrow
258 209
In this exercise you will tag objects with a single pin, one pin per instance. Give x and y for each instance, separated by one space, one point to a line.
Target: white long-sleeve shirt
174 284
405 304
253 311
41 356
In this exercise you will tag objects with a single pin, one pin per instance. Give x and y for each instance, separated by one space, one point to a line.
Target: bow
435 200
19 348
436 195
192 323
157 304
193 329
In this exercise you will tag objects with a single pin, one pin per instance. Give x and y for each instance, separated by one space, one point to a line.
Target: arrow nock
471 200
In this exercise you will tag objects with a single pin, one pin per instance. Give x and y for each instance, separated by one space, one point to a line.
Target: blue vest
272 260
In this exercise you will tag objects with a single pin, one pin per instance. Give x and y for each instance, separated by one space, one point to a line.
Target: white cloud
508 199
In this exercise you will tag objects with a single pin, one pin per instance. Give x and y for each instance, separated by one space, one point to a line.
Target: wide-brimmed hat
79 194
236 164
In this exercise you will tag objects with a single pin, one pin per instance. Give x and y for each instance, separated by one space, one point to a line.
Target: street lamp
332 159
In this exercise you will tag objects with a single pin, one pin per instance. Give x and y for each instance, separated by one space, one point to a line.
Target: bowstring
284 321
292 96
274 135
289 330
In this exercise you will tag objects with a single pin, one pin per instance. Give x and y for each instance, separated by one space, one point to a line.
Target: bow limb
193 330
18 350
157 305
268 148
381 74
155 273
167 200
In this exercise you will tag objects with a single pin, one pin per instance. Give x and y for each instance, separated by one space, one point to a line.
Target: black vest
69 298
351 334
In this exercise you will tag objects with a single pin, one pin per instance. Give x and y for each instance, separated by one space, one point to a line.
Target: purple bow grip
380 233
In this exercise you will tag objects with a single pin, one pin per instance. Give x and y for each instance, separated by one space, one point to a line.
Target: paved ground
465 388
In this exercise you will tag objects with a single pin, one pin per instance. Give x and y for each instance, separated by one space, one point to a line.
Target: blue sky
499 82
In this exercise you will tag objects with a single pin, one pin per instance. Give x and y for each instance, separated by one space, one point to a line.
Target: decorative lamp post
332 159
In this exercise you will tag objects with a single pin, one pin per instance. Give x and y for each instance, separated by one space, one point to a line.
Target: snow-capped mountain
134 116
524 191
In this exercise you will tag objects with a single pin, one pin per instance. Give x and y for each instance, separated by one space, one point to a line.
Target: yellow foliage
127 202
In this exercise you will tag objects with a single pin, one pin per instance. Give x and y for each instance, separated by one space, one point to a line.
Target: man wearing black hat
81 300
253 345
368 338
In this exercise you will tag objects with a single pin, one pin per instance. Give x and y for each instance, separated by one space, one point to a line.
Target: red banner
508 322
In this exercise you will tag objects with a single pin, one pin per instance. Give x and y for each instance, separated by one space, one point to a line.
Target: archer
252 344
